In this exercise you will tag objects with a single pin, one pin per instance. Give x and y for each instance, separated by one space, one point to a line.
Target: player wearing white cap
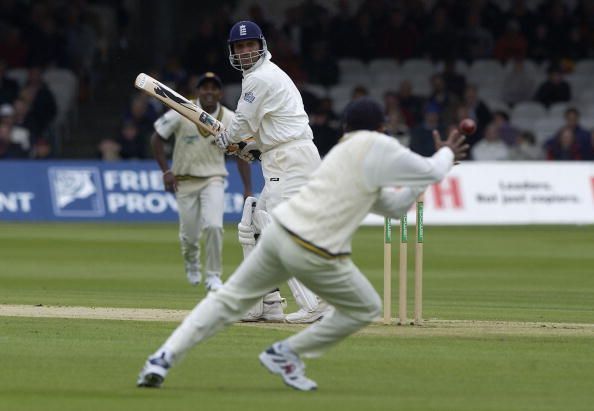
197 178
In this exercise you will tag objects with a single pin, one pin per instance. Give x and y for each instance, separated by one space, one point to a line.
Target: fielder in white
197 178
271 110
310 238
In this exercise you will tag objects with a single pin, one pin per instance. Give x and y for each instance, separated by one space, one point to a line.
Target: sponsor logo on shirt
249 97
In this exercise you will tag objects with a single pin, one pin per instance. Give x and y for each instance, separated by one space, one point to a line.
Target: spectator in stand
421 136
18 134
9 89
292 30
522 14
539 43
43 37
582 136
555 89
558 23
362 40
286 58
584 15
132 143
310 100
142 115
440 38
410 104
22 118
41 150
508 133
576 47
321 67
208 41
8 149
42 104
315 27
478 111
173 71
14 50
512 44
325 136
518 84
325 106
341 28
455 82
563 146
525 148
491 147
358 92
403 36
392 105
396 126
476 41
440 98
109 150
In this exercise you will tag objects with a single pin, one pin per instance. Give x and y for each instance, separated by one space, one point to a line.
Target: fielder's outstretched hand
455 141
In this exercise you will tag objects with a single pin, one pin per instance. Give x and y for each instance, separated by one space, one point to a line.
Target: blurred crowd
309 41
37 38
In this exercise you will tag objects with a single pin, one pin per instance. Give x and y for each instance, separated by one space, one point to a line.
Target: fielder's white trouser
286 169
200 204
274 260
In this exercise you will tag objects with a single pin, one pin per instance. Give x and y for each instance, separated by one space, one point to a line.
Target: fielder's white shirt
270 108
195 153
326 215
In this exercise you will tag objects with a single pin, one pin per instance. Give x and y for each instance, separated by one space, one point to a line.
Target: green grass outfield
499 276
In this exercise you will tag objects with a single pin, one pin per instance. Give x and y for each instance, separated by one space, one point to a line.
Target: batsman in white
271 110
310 237
197 178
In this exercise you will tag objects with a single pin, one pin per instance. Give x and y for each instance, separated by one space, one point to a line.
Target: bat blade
178 103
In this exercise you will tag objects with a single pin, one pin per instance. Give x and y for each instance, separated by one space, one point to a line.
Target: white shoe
213 282
194 277
304 316
281 361
270 308
154 371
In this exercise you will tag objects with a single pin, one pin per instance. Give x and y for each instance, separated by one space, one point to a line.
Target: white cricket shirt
358 176
270 108
194 153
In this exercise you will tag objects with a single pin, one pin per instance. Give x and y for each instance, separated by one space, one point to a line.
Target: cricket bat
188 109
179 103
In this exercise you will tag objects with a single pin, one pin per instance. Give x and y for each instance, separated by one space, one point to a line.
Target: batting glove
222 140
246 234
249 151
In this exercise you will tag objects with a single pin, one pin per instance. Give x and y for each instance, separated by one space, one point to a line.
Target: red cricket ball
467 126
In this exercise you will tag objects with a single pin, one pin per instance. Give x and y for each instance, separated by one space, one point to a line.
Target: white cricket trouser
276 258
286 168
200 204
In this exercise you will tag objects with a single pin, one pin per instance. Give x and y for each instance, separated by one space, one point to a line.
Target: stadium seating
557 110
544 128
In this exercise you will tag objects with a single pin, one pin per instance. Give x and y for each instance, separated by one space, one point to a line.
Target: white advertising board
495 193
